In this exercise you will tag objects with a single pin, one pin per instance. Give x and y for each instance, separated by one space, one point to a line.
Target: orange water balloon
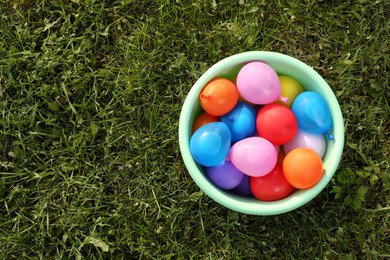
202 120
219 97
302 168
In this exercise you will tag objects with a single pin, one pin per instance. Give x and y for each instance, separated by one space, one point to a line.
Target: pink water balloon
258 83
277 147
315 142
254 156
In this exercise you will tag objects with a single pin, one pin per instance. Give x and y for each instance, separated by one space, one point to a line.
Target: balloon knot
284 99
203 96
330 136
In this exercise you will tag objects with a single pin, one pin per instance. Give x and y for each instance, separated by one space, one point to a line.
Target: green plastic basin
283 65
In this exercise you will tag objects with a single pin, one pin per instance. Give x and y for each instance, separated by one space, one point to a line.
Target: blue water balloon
312 113
241 121
210 144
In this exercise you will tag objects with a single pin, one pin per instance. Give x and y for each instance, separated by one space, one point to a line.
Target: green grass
90 97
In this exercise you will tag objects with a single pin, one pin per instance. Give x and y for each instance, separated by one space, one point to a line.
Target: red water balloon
276 123
272 186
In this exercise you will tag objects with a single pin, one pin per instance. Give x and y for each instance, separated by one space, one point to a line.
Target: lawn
90 98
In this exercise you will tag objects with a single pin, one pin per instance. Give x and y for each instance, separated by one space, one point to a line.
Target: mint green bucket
284 65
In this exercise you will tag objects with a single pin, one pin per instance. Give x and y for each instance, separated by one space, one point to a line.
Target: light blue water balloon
210 144
312 113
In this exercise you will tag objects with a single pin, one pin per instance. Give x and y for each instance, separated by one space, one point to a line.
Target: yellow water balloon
290 89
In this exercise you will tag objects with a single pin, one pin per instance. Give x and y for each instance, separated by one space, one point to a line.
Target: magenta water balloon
315 142
312 113
210 144
258 83
225 176
254 156
244 187
241 121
